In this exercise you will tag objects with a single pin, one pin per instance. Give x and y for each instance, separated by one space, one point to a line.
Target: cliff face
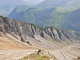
18 28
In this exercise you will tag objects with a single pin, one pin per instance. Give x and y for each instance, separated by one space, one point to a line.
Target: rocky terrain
18 39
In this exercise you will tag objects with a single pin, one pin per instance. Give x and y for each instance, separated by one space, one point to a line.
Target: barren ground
14 50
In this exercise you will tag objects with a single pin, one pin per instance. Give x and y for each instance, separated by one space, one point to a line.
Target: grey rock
26 29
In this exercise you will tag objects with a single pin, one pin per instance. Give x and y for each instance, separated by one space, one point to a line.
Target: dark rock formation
26 29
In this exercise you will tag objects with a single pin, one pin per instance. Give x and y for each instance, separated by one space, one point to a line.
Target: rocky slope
23 30
18 39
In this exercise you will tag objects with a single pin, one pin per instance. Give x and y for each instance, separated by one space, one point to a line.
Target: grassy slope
36 57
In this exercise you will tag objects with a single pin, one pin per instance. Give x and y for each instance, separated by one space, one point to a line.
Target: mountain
49 13
74 15
59 3
24 30
73 20
18 39
52 3
7 7
31 14
17 10
5 10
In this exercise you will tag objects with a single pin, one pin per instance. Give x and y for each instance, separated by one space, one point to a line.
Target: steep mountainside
73 20
31 15
18 9
74 16
18 39
26 30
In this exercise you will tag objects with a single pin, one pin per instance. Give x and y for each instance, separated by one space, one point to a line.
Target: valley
40 30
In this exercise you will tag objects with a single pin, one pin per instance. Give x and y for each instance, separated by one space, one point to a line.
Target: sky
32 1
20 2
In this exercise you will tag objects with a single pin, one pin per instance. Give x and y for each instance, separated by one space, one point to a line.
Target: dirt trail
14 54
67 53
14 50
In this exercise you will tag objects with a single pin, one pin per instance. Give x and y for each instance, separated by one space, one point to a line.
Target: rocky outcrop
23 30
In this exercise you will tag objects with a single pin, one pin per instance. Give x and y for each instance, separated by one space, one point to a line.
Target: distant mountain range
52 3
6 8
57 13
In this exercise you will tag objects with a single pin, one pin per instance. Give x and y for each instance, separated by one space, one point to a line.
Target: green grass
53 41
36 57
24 58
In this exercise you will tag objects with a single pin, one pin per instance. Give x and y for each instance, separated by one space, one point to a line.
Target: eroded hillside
18 39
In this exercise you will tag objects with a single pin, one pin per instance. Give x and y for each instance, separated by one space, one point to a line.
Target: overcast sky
20 2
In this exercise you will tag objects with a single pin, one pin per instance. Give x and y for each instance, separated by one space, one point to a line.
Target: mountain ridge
18 39
26 29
